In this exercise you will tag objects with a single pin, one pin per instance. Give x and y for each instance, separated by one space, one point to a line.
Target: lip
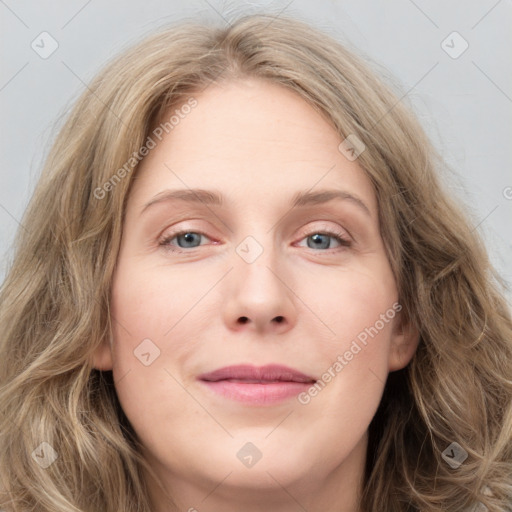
263 385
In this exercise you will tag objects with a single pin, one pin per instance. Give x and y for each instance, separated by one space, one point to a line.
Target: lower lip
257 393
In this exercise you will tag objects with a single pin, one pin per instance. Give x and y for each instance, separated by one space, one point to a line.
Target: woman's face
280 262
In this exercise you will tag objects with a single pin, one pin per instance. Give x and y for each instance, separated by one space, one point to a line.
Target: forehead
250 136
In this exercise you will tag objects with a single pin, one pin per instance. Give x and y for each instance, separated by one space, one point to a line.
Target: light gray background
464 103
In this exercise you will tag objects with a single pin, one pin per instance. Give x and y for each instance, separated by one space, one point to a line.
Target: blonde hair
55 299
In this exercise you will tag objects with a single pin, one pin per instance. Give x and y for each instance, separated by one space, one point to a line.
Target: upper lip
268 373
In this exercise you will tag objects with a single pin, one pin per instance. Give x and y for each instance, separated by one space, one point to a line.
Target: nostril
243 319
279 319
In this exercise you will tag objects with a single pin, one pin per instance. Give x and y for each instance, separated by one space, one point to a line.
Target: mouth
253 385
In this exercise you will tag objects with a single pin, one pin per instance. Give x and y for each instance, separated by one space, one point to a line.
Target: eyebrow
210 197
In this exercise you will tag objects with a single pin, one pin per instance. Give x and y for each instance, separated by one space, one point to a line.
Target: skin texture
258 144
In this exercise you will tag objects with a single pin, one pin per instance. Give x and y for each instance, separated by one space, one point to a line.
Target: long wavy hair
55 299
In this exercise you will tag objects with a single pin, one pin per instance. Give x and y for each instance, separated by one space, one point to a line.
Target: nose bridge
256 292
256 269
257 263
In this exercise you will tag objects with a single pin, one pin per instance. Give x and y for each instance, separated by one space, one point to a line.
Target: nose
259 295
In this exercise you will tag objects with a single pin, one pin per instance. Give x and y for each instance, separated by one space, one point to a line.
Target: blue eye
322 240
319 241
189 239
185 240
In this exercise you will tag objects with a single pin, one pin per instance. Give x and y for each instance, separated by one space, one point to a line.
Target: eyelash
341 238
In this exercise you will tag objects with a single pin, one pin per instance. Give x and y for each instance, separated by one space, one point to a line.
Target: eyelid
185 224
326 229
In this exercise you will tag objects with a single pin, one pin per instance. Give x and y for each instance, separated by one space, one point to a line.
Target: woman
241 287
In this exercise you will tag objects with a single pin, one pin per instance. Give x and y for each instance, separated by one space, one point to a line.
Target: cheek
154 331
358 306
154 301
352 363
138 318
352 301
158 319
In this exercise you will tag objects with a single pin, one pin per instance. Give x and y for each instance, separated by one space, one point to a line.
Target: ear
404 342
102 356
